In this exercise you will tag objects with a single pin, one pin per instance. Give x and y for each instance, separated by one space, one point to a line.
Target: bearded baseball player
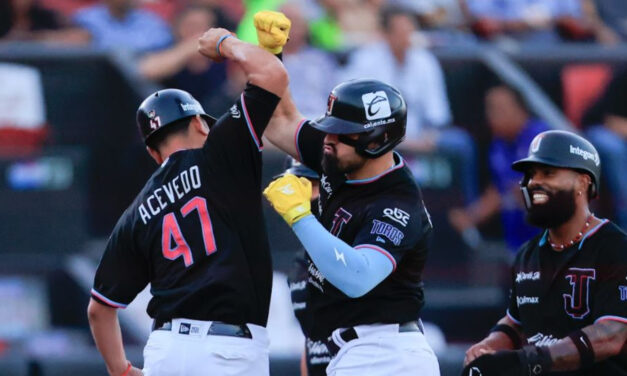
195 232
369 246
568 306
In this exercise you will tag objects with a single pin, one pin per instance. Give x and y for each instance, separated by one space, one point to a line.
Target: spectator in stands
538 21
610 139
119 24
512 131
418 76
181 66
614 14
443 22
27 20
311 70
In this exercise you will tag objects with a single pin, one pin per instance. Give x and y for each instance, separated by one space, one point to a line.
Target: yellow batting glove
273 30
290 196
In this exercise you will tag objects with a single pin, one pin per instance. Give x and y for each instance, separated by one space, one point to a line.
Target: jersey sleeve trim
380 250
611 318
518 322
106 300
296 134
249 124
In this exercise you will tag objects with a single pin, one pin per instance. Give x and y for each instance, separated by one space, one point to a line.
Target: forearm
488 204
261 67
606 337
352 271
163 64
105 329
282 128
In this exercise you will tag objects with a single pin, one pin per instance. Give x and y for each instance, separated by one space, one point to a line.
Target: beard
331 165
558 209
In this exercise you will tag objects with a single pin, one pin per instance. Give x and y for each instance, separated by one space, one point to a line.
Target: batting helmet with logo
374 110
165 107
566 150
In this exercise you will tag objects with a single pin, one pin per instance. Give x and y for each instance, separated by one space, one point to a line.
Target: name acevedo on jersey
169 193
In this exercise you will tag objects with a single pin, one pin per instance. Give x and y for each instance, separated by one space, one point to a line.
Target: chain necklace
559 247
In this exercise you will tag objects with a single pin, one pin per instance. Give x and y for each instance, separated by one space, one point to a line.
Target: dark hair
178 127
518 97
390 11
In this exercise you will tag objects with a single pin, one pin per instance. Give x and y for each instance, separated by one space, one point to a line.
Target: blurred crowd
390 40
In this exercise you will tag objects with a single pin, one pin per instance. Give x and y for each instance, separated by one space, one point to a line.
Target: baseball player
368 249
195 232
568 299
315 358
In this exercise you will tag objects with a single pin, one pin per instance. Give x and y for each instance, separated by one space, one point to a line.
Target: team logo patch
330 103
184 328
576 303
341 218
535 143
397 215
376 105
623 293
385 229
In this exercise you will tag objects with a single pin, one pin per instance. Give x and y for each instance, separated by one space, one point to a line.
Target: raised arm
261 67
272 32
284 124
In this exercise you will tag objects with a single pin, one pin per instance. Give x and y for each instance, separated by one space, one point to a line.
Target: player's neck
570 229
373 167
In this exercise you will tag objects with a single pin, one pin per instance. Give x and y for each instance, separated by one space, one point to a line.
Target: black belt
350 334
217 328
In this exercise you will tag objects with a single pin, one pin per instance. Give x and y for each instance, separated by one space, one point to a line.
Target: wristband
510 332
222 38
128 369
584 346
538 359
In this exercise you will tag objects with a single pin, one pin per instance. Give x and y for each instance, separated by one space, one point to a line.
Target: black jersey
385 213
555 293
196 231
317 354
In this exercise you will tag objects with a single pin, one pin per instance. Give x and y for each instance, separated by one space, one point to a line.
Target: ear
585 183
200 125
155 155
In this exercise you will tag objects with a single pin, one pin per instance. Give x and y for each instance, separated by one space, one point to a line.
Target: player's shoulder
610 239
529 247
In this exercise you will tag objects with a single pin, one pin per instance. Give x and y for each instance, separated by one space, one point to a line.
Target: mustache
540 189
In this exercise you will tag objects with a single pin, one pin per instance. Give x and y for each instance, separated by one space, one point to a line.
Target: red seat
582 84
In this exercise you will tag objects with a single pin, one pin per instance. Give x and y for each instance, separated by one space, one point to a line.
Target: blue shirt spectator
512 131
125 27
502 153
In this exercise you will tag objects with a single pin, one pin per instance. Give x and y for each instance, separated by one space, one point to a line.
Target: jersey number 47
172 231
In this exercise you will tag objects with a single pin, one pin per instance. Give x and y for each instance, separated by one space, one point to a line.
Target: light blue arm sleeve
352 271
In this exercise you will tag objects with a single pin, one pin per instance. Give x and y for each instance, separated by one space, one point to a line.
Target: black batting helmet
165 107
566 150
371 108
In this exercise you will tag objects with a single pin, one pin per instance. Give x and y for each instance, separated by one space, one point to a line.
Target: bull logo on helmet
535 144
330 103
